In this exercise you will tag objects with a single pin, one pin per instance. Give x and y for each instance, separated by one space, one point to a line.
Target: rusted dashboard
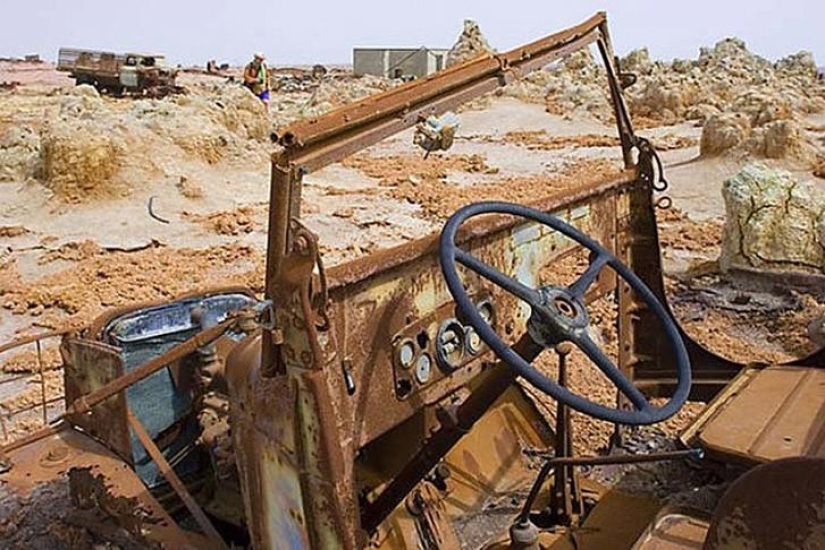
400 340
438 351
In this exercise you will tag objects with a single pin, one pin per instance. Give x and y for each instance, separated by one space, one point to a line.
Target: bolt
302 245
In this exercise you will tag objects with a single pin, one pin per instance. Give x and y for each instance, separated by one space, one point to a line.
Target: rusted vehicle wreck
389 402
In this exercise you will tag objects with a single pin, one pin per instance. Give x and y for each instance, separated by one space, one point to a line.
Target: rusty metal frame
291 356
291 352
311 145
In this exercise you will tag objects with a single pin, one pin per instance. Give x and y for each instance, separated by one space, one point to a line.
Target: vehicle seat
780 504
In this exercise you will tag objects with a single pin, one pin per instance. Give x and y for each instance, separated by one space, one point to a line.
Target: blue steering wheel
558 314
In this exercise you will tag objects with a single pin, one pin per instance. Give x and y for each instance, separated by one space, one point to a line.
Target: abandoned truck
395 401
117 74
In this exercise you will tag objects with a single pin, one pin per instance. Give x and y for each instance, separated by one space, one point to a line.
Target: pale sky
306 32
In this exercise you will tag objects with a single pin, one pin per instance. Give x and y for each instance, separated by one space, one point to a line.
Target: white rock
773 222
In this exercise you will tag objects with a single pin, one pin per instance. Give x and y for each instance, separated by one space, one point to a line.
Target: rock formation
470 44
773 222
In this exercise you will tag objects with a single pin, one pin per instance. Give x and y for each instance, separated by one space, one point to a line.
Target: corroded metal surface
173 479
675 529
769 414
100 479
777 505
90 366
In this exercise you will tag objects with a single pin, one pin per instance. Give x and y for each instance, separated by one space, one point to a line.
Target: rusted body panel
324 385
374 303
105 422
776 505
99 478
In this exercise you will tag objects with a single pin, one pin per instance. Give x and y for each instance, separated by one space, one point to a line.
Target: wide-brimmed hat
259 55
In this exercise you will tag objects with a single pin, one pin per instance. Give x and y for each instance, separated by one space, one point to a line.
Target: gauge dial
423 368
450 345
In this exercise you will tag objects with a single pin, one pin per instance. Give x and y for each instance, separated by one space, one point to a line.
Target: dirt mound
726 80
747 104
732 132
470 44
99 147
329 94
724 131
83 149
576 85
244 219
189 189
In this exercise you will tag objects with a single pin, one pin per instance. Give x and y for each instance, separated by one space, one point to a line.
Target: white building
404 63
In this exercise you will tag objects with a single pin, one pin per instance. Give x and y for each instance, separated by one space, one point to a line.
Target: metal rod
552 463
37 337
169 474
534 492
83 403
42 433
15 379
28 408
404 98
619 459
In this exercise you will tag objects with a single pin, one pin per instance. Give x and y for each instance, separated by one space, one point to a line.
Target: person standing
256 78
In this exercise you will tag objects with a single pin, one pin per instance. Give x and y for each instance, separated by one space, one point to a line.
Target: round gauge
449 347
405 353
423 368
474 343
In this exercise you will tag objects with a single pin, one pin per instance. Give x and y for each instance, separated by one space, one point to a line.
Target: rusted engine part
223 499
79 407
169 473
127 513
436 133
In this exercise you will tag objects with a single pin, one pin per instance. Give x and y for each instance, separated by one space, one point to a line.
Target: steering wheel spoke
608 367
511 285
580 287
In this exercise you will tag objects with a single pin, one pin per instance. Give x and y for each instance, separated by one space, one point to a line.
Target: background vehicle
377 403
133 73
